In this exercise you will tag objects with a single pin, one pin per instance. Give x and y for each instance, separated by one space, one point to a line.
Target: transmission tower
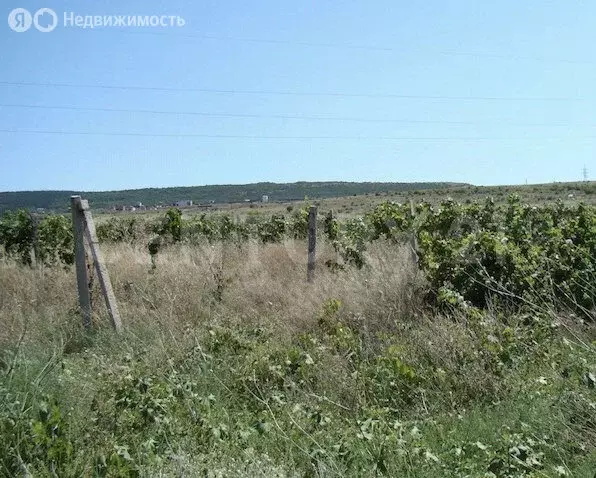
585 173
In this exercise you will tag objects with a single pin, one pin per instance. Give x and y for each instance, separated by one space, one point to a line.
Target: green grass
451 396
231 364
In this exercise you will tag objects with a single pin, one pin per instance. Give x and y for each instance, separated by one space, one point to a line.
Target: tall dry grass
252 284
457 379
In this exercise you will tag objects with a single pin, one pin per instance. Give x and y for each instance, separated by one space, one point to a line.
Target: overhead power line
352 46
286 92
276 116
347 46
274 137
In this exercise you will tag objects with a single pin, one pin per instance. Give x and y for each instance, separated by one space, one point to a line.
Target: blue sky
478 92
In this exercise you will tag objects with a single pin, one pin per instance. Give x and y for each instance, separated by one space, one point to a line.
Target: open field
317 239
569 193
343 197
476 357
218 194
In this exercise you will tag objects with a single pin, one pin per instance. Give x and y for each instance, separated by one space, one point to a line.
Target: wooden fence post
78 224
34 254
414 239
329 221
85 229
312 243
102 272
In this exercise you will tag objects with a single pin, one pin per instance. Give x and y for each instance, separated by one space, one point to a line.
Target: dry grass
251 284
442 376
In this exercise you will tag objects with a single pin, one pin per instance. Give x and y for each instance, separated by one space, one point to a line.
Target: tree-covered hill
59 200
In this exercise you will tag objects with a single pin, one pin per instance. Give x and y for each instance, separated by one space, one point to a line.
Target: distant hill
59 200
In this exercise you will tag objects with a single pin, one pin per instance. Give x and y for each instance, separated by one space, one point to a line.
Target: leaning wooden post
312 243
100 267
414 239
78 224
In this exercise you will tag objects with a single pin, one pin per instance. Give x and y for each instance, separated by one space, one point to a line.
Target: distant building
265 198
184 203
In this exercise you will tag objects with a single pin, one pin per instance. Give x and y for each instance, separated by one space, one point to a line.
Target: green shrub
17 233
126 229
55 240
